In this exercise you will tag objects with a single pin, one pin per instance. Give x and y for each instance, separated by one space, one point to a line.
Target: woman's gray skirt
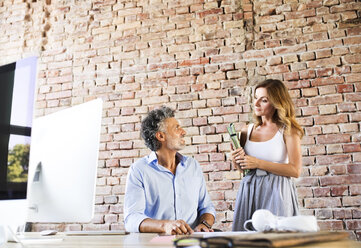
263 190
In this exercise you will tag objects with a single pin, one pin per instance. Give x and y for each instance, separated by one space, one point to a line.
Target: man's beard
176 145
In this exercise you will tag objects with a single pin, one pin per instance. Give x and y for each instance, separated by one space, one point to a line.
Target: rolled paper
235 141
233 135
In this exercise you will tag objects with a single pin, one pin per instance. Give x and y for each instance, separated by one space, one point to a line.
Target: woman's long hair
280 99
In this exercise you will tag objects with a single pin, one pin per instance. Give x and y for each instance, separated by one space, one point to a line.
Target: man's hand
172 227
202 228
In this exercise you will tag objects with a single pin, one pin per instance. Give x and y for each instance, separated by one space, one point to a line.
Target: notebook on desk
95 233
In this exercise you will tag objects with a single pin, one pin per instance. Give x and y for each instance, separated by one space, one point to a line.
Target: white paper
220 234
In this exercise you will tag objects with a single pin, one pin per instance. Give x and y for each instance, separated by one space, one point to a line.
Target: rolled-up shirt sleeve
134 201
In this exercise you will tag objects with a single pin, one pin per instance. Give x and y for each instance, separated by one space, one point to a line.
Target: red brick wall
202 58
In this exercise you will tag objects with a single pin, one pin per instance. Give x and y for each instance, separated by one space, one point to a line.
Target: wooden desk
132 240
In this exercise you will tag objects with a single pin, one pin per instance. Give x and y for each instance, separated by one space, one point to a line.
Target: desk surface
143 240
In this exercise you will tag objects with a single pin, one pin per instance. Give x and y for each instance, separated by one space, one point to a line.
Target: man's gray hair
154 123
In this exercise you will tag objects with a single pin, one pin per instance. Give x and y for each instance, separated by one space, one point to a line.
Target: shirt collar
152 158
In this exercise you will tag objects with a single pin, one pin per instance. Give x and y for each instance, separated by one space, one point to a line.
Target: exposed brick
307 56
351 201
289 58
216 195
207 148
227 67
291 49
307 181
277 69
318 171
322 202
351 59
309 111
204 13
212 94
353 224
354 168
291 76
323 44
341 118
337 169
340 51
200 61
352 78
354 117
333 138
323 72
327 81
313 130
338 180
327 109
297 84
324 214
330 225
351 127
225 58
321 192
353 97
339 191
304 192
305 121
272 43
257 54
344 88
203 60
274 60
327 90
334 61
355 189
270 19
219 186
342 213
333 159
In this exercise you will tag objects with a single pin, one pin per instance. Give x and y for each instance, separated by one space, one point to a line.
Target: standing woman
272 153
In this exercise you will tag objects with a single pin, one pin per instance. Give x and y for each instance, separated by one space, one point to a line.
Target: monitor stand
35 183
7 234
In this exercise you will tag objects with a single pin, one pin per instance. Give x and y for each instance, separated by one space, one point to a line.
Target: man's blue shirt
152 191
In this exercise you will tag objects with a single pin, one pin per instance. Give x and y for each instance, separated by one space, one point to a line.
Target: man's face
174 134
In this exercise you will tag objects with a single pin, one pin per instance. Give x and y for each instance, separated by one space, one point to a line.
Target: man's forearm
152 226
165 226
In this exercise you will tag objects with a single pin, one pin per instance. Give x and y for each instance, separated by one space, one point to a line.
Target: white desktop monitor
63 164
17 91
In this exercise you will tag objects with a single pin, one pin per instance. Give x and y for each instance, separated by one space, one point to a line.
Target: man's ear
160 136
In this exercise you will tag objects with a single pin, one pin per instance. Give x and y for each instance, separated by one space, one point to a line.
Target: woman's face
262 105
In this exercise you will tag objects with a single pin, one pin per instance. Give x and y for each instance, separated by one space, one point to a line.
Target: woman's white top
273 150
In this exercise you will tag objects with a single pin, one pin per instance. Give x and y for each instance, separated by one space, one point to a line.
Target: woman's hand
248 162
242 161
237 156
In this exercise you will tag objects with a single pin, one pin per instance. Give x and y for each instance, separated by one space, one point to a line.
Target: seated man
166 191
